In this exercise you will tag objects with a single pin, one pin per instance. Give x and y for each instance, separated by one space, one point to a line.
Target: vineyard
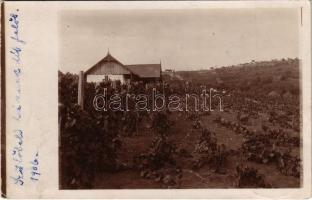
253 143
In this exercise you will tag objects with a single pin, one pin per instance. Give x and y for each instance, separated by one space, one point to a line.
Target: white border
40 105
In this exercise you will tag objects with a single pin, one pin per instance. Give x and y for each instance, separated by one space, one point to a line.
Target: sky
185 39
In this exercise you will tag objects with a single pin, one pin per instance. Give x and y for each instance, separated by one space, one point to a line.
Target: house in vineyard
109 68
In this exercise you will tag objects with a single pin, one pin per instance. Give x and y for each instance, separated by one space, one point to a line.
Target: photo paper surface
157 99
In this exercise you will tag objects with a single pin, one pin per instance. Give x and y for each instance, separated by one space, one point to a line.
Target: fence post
81 89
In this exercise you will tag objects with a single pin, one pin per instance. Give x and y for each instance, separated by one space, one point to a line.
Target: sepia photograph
206 98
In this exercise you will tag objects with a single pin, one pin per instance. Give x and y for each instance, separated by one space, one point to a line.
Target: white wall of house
100 78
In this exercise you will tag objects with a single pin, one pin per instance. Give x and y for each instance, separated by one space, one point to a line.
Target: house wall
99 78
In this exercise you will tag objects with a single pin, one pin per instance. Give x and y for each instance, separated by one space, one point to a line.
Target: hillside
253 142
280 76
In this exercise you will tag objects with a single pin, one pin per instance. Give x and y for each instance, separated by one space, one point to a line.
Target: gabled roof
141 70
145 70
107 58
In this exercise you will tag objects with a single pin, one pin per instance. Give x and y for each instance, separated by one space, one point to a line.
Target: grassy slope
262 77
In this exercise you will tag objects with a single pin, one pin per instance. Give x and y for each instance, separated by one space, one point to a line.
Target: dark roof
107 58
145 70
141 70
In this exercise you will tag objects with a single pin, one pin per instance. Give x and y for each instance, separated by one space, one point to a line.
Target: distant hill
280 76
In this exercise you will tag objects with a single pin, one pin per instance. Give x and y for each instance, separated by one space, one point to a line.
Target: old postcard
148 99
